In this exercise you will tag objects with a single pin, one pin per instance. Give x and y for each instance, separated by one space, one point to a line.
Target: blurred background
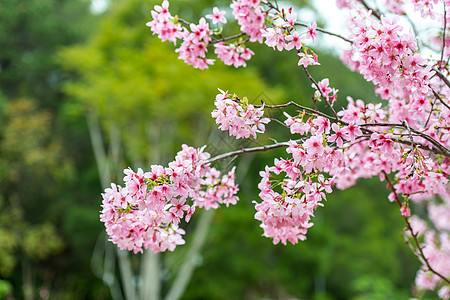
86 91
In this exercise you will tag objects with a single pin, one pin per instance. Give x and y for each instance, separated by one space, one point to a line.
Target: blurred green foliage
34 173
377 288
41 241
5 288
31 32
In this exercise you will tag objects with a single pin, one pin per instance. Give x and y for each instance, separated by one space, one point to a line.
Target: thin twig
443 34
439 97
228 38
248 150
318 88
414 235
276 8
308 109
437 149
279 122
442 77
374 12
326 32
256 142
431 113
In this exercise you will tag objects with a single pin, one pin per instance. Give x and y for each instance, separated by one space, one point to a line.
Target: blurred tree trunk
150 284
189 263
27 280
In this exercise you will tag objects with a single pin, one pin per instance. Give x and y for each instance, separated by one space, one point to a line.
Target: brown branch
414 235
437 148
311 110
439 97
323 96
374 12
443 34
326 32
232 37
276 8
442 77
228 38
248 150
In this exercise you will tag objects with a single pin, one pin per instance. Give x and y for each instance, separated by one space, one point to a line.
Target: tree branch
414 235
437 148
436 95
276 8
443 33
442 77
249 150
311 110
323 96
326 32
374 12
228 38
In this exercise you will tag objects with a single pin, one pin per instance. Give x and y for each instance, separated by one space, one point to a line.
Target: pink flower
250 17
241 119
179 207
232 54
312 31
307 60
352 131
339 136
163 10
274 38
405 211
314 145
322 125
291 18
146 217
295 41
217 16
323 87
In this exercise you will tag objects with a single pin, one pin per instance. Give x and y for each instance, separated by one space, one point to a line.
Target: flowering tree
403 140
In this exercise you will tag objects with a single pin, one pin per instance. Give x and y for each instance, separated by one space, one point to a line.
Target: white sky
99 6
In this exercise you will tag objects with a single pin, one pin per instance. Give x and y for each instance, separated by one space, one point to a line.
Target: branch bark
414 235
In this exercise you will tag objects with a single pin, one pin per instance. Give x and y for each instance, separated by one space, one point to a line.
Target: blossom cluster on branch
145 214
405 140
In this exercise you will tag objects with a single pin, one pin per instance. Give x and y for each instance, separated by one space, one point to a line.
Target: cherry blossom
146 213
240 118
217 16
403 140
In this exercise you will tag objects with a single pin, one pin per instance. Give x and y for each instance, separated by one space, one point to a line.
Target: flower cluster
289 202
193 48
324 89
234 55
196 38
384 54
145 214
404 141
251 17
163 23
240 118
